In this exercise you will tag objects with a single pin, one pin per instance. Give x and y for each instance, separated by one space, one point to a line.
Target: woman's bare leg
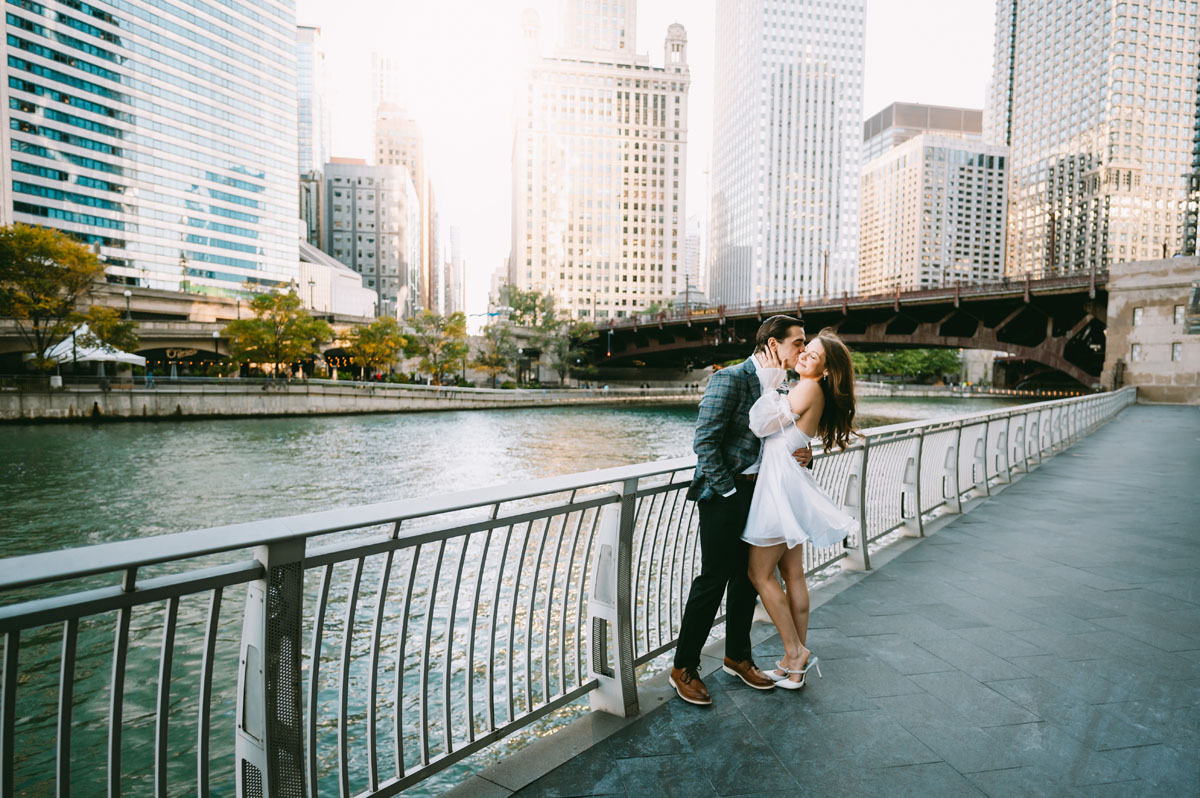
791 568
763 560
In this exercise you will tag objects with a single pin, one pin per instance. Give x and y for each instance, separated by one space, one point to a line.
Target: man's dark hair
776 327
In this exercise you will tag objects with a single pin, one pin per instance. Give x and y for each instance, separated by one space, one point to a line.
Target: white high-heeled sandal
786 683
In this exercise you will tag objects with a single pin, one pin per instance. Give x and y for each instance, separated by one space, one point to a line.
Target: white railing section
377 645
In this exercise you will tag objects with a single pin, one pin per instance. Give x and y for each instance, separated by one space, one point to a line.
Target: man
728 456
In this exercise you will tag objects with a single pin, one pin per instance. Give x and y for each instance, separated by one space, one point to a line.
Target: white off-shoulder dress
788 505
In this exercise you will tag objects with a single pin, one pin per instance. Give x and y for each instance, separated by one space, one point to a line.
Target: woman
789 508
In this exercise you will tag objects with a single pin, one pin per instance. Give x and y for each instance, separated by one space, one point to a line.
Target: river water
63 486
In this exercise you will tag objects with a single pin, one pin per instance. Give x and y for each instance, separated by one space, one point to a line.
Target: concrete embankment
234 398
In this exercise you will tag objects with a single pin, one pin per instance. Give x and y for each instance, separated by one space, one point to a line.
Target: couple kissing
759 503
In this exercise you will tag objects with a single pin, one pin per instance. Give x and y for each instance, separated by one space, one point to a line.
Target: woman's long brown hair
836 426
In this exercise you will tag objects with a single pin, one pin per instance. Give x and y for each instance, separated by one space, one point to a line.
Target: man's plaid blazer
724 444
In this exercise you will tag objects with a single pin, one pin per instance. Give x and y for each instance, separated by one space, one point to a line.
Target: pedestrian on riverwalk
728 455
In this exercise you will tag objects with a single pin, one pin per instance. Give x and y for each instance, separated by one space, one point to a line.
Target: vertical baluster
204 713
580 618
487 542
491 665
683 575
163 710
314 677
8 710
451 622
426 644
512 621
66 703
116 701
344 687
533 592
549 614
373 678
408 594
566 592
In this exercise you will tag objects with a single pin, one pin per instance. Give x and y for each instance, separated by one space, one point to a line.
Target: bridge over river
1016 614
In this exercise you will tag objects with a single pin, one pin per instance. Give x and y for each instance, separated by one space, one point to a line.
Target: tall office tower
313 121
164 135
387 83
373 224
398 142
691 259
786 141
455 271
1097 101
932 215
312 83
599 165
900 122
1191 227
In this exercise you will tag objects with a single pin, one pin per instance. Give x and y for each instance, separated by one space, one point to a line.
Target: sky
462 61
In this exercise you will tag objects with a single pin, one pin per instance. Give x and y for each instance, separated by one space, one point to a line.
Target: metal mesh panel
252 786
282 673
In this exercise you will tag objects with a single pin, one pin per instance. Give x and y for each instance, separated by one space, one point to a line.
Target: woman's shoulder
804 394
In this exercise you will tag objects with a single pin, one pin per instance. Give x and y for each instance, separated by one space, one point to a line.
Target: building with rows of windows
1098 101
163 134
787 135
373 225
599 165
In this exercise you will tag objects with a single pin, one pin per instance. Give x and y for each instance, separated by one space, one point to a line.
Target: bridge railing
358 651
792 306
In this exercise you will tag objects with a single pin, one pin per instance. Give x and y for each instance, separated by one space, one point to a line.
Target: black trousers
723 562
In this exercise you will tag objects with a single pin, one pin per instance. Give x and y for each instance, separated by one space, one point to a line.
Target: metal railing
377 645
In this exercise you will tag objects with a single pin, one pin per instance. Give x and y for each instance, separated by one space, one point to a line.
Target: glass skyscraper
163 133
1097 100
787 134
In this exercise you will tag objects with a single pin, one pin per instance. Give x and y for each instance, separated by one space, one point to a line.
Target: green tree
280 332
498 352
529 308
44 274
440 342
564 344
377 344
911 363
108 328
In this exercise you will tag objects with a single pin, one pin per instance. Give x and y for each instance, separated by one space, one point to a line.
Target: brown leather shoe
749 673
686 682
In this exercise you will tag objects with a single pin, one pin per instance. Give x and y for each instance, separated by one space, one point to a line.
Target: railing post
610 607
269 722
950 474
910 490
1003 474
1033 434
858 558
979 480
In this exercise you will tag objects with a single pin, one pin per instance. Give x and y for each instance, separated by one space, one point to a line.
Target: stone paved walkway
1046 643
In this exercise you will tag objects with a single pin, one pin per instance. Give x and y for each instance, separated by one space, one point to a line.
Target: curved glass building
163 132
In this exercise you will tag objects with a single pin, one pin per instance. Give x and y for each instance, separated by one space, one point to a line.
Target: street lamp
311 283
128 294
216 343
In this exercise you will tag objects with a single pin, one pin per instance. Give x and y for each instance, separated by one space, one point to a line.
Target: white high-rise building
1098 102
373 226
162 133
398 142
599 165
313 118
693 271
932 215
786 141
900 122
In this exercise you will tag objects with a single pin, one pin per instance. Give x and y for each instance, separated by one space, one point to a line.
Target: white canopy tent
68 350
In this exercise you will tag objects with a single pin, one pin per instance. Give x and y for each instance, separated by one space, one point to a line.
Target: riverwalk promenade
1046 643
